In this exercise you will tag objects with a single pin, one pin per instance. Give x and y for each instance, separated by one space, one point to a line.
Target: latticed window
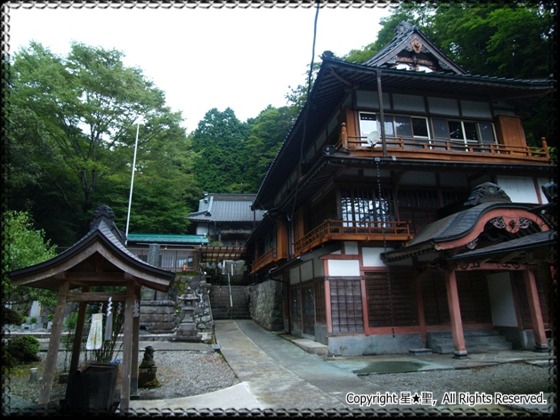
421 206
346 306
320 310
363 205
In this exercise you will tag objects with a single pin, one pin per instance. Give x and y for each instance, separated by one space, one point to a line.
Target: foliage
297 96
71 136
23 348
24 246
266 135
405 12
11 316
219 142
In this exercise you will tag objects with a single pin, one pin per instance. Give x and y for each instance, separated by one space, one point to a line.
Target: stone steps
221 305
475 341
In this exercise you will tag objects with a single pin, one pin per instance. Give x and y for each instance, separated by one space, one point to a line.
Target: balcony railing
344 230
263 260
447 150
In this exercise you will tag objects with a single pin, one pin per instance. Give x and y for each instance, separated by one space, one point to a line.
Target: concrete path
288 374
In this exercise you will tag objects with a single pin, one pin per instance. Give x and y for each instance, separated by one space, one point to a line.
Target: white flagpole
132 180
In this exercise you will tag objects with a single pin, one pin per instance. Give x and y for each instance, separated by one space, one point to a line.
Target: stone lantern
186 330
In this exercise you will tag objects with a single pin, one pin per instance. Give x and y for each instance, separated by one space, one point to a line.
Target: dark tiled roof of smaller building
226 208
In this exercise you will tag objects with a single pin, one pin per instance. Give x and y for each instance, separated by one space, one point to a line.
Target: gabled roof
226 208
99 257
410 46
457 229
337 78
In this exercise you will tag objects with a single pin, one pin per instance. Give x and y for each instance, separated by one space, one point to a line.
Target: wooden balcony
263 260
454 150
341 230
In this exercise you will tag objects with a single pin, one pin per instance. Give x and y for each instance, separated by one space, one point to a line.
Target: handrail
264 259
438 146
353 230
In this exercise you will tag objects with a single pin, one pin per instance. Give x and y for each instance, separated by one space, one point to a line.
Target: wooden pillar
420 306
135 346
328 308
127 346
541 342
460 349
54 343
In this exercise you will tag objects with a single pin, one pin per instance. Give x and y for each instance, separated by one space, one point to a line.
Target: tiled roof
226 208
525 243
449 228
103 231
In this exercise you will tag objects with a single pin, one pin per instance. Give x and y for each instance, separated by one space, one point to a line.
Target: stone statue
148 360
147 370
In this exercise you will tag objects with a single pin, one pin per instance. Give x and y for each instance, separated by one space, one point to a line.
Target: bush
24 348
10 316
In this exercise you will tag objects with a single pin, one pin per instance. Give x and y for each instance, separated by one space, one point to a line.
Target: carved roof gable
410 50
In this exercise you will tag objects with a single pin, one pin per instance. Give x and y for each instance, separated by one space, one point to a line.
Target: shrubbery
21 349
10 316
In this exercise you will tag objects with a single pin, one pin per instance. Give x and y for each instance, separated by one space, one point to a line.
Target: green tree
71 137
221 156
23 246
297 96
266 135
165 187
405 12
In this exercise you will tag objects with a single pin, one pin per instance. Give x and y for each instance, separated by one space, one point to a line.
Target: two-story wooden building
391 200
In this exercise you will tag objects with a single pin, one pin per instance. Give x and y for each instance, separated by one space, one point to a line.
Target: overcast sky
244 58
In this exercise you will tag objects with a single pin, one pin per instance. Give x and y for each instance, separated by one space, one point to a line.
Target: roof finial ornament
403 28
487 192
102 211
105 212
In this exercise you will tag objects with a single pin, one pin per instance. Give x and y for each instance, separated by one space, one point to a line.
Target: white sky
242 57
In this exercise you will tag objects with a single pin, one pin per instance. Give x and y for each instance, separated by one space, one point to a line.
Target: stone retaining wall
265 304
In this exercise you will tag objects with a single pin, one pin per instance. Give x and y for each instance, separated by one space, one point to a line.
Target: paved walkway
287 375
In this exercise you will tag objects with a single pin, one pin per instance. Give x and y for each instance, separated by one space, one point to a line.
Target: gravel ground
179 373
186 373
506 378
